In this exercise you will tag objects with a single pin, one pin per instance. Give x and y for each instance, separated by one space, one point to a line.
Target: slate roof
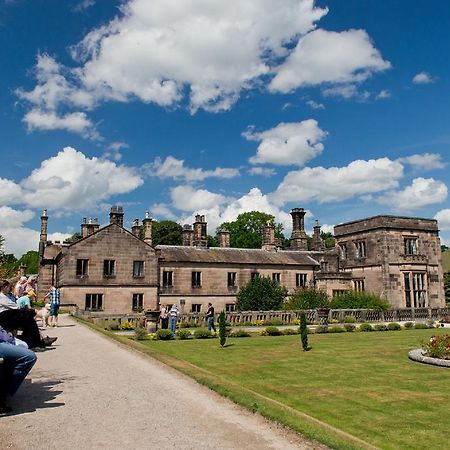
220 255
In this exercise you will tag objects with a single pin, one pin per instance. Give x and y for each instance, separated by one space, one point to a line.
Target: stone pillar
318 243
147 223
200 234
136 228
223 238
268 237
95 225
188 235
299 239
116 215
43 235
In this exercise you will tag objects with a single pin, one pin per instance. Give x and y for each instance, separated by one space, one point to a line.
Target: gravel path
90 392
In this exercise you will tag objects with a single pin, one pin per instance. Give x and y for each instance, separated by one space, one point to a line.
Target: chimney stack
268 237
188 235
223 238
147 223
116 215
318 243
200 236
136 228
89 226
299 239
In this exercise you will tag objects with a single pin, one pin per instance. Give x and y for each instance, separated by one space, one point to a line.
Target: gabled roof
221 255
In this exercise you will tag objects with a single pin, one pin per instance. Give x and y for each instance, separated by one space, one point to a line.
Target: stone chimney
223 237
136 228
299 239
200 236
116 215
188 236
318 243
147 223
89 226
268 237
43 235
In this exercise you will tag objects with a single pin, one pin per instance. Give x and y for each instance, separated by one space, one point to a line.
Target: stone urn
152 320
322 314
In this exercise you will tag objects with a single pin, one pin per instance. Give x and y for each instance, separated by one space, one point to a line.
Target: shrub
222 329
336 329
333 321
273 322
202 333
240 334
420 326
365 327
409 325
359 300
126 326
140 333
380 327
438 347
273 331
260 294
321 329
306 298
289 331
183 334
248 324
164 335
303 332
349 327
393 326
349 319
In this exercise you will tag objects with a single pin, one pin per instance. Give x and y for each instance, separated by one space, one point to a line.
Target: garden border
418 356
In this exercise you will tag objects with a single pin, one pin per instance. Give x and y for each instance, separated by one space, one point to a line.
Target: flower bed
438 347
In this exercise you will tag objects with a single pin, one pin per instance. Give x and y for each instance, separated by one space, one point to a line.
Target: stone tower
299 239
200 234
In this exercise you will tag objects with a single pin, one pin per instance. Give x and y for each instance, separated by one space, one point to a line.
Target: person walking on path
173 314
210 317
55 301
164 316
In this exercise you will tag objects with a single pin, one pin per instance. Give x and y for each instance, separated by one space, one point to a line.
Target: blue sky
217 108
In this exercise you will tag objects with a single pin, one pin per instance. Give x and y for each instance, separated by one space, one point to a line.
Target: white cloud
443 218
383 94
262 171
315 105
346 91
187 198
82 5
76 122
10 192
71 181
424 161
338 183
162 211
288 143
175 168
118 145
421 192
423 78
329 57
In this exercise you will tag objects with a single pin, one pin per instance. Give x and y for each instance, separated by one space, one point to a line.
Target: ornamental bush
321 329
261 294
359 300
289 331
222 329
393 326
183 334
409 325
273 331
349 319
365 327
420 326
240 334
306 298
202 333
303 332
164 335
336 329
349 327
380 327
140 333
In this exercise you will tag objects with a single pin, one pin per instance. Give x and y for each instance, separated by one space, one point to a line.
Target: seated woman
13 318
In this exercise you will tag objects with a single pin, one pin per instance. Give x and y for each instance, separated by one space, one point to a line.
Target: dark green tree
222 328
31 260
212 241
75 237
307 298
304 332
166 232
245 231
261 294
328 239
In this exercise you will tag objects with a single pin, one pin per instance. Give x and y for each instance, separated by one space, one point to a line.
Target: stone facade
113 270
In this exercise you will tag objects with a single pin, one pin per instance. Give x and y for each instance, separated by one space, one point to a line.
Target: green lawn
352 390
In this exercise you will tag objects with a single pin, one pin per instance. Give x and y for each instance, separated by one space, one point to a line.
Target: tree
307 298
222 328
75 237
304 332
261 294
328 239
31 260
245 231
166 232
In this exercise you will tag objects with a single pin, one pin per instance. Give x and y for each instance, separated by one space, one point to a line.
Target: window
254 276
360 249
167 278
415 290
230 307
323 266
196 279
276 276
138 302
410 246
231 279
82 267
196 307
138 269
343 249
109 266
358 285
300 280
94 302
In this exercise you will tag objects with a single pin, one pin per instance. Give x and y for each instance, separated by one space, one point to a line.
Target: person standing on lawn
210 317
173 314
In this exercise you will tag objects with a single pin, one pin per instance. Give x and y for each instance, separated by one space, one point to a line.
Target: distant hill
446 261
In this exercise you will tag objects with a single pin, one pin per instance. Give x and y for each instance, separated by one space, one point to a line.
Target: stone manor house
112 269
